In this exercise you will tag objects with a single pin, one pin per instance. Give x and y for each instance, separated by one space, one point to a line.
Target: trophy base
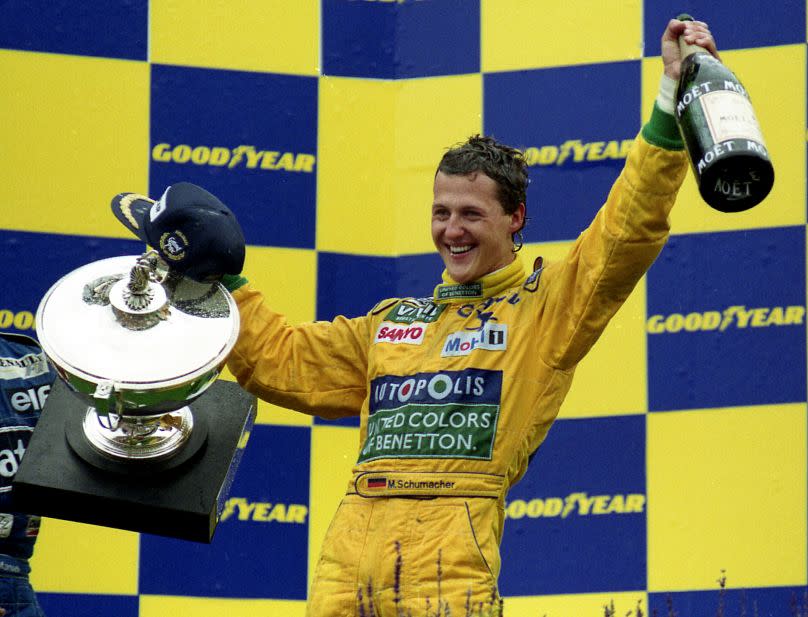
179 497
95 447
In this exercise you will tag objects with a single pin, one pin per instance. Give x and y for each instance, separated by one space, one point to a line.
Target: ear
517 219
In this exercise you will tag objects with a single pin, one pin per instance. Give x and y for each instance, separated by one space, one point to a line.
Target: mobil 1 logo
491 337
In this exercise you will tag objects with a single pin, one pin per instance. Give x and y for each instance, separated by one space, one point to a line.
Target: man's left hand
694 33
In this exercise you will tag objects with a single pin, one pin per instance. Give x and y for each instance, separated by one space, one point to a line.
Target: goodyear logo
577 151
576 504
245 156
22 320
736 316
264 512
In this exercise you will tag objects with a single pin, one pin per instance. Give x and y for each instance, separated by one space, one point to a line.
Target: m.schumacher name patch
449 414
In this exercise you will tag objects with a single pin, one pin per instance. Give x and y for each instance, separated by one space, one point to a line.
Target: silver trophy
136 344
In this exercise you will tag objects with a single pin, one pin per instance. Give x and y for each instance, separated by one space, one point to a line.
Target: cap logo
159 207
125 206
174 245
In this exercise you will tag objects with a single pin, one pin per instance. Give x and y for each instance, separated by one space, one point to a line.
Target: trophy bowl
137 343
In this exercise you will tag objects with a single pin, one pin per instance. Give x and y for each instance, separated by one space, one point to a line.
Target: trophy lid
93 325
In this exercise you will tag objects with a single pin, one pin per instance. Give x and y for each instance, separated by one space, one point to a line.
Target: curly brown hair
503 164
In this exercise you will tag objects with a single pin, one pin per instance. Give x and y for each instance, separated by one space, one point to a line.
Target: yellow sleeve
318 368
585 290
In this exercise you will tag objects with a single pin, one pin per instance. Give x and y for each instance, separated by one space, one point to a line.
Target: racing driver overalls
455 392
25 382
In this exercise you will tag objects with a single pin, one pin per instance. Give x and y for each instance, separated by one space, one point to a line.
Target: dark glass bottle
721 133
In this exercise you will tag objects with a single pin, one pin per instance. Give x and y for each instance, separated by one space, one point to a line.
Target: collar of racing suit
489 285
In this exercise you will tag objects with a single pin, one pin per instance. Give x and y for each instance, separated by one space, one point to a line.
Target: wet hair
504 165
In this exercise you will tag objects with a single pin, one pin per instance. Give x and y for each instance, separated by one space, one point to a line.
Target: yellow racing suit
454 393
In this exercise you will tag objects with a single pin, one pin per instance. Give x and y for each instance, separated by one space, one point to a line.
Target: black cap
194 232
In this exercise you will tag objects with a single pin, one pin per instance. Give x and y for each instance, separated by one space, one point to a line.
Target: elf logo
23 400
493 337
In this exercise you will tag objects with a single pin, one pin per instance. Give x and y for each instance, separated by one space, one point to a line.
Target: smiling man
455 392
479 204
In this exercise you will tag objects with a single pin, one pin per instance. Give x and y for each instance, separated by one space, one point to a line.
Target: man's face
471 231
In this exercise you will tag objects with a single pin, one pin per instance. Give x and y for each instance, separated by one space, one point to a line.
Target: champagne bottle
721 133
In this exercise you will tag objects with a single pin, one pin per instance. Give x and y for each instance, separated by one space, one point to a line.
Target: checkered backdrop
681 450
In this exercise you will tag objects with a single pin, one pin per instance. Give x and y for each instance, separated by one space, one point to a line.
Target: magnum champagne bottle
721 133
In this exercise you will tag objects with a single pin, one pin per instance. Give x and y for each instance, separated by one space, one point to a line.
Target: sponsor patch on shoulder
390 332
410 311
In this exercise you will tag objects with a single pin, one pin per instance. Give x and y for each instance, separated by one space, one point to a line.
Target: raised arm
585 290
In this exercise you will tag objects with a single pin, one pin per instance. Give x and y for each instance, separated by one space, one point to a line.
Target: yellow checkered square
578 605
101 559
274 36
378 154
726 491
75 132
287 277
160 606
334 450
763 72
523 35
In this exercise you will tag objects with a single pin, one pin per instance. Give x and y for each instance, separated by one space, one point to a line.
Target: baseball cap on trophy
194 232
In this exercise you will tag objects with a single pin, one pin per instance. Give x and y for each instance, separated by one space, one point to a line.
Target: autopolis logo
244 156
492 337
736 316
576 504
451 414
577 151
242 509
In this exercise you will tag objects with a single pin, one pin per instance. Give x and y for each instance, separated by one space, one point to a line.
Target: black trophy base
181 497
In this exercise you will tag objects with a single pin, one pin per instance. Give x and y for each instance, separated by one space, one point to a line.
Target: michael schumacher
456 391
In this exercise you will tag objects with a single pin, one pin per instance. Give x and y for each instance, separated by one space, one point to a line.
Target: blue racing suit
25 381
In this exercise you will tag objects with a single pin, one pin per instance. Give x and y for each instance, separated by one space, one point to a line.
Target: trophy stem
132 438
